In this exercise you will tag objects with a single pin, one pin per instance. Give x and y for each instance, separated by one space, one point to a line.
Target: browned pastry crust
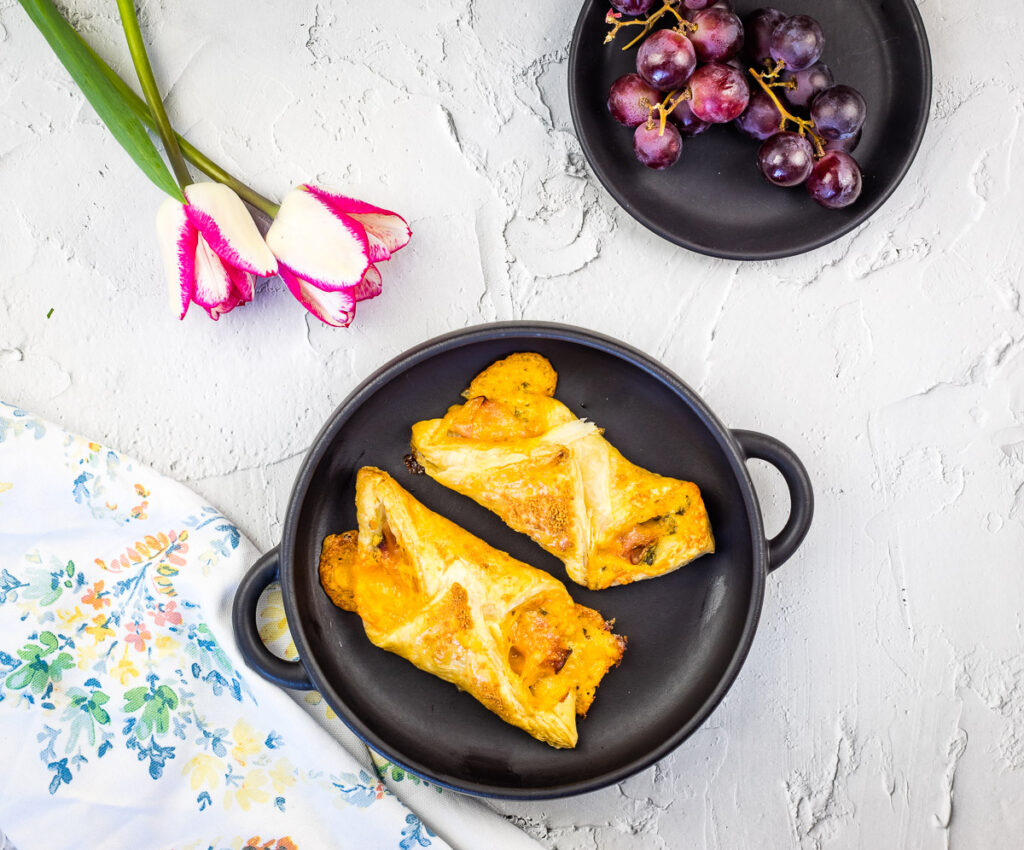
505 632
518 451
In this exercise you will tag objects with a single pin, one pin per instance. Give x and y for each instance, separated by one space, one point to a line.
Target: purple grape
759 26
797 41
838 112
666 59
657 151
625 100
697 4
688 123
847 145
809 82
760 119
786 159
719 93
835 180
632 7
719 35
690 14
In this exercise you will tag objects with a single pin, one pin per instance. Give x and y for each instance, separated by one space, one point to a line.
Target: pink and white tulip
211 249
327 246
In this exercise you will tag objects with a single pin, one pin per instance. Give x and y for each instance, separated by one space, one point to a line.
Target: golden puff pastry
507 633
518 451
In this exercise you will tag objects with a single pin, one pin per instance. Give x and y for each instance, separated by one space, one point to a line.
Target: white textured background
883 702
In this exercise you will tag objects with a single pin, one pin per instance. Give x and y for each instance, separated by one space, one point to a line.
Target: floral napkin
127 718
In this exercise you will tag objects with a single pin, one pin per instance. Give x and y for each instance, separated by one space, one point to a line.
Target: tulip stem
199 159
137 48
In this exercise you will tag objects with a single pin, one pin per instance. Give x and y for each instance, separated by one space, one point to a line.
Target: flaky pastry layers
505 632
523 454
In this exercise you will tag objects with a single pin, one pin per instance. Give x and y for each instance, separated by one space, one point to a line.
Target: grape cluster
764 74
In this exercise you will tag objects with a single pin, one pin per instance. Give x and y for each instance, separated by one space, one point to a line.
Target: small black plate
714 200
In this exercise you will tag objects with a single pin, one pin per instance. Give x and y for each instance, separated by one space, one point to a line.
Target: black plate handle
287 674
801 497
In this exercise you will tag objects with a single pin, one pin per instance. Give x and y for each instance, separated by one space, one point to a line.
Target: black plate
688 632
714 200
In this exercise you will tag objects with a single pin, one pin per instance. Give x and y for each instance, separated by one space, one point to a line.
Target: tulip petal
337 308
219 214
326 248
213 281
370 286
242 284
234 299
177 239
386 232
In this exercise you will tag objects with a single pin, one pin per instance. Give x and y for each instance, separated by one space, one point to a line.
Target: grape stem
664 109
647 24
768 79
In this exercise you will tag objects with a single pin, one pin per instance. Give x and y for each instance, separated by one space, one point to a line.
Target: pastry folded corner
505 632
515 449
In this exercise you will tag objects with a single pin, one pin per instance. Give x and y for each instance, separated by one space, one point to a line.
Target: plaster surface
882 704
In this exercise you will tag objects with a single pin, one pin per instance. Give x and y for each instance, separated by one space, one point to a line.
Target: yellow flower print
205 771
314 699
100 630
71 617
270 617
251 790
125 670
282 775
247 742
165 645
272 625
87 654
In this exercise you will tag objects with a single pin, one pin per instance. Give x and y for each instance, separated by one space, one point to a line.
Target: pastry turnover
505 632
518 451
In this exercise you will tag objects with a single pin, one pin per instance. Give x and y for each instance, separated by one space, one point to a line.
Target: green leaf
41 678
49 640
59 664
169 697
70 568
30 652
109 104
135 698
163 719
51 596
20 678
75 729
101 715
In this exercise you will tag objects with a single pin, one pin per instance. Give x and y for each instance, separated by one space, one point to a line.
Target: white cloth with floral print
127 718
